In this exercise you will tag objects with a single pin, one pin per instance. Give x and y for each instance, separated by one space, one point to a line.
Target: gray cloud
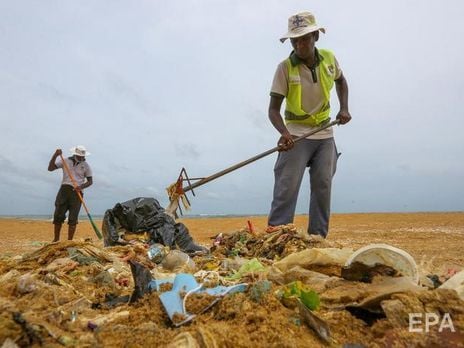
159 86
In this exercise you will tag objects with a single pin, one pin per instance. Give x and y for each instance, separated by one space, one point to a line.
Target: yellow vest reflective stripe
294 112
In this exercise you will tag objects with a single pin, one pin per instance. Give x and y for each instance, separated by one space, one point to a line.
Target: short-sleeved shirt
79 170
312 97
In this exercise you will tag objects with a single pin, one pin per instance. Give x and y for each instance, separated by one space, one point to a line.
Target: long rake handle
255 158
66 168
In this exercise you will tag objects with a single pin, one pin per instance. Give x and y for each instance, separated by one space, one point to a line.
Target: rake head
177 194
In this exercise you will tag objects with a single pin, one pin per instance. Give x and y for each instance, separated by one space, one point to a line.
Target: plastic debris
297 291
456 282
81 257
286 240
185 285
62 265
324 260
156 252
260 289
26 283
360 272
178 261
218 240
74 306
387 255
315 322
145 216
251 267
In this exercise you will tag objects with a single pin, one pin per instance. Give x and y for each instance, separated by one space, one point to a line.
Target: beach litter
380 259
185 285
260 290
144 219
456 283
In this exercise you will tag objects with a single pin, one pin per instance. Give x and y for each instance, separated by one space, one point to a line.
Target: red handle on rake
76 188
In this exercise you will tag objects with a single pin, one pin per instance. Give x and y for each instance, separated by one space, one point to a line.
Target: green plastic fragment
252 266
297 289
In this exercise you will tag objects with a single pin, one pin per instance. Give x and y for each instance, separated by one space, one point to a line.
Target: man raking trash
77 176
305 80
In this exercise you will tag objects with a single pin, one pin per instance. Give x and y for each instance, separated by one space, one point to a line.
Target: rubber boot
56 231
71 231
185 242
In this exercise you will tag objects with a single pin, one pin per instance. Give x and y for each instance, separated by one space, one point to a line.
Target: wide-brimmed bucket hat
79 150
301 24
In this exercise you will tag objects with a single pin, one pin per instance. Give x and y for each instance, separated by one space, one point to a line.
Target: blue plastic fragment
186 284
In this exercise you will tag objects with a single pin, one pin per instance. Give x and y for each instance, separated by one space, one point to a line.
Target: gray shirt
80 171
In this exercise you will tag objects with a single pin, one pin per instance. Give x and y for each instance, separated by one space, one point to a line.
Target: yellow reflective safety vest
294 112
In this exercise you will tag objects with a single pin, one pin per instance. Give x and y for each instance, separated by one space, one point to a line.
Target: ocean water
84 217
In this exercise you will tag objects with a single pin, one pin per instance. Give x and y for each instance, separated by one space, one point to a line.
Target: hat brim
74 153
302 32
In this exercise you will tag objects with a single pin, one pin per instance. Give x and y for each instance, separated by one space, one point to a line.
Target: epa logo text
421 322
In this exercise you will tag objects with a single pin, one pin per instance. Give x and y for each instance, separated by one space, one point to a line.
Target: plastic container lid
386 255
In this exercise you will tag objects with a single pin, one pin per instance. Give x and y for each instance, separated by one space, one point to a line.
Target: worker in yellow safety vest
305 80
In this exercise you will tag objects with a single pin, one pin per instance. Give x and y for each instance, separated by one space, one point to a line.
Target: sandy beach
435 238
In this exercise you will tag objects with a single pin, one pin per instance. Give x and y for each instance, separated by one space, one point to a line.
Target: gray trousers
321 158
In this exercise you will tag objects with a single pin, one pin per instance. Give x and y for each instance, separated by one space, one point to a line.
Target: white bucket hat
79 150
301 24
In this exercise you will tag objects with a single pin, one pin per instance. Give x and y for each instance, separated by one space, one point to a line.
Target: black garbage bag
140 214
109 229
185 241
144 214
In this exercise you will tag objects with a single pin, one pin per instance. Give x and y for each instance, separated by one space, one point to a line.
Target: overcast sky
150 87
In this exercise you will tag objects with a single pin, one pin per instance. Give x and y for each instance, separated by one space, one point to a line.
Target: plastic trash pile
284 241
